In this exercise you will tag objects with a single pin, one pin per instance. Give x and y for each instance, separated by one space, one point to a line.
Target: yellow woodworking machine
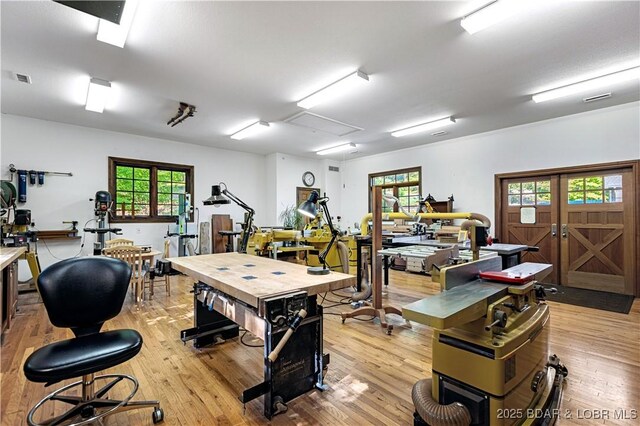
491 361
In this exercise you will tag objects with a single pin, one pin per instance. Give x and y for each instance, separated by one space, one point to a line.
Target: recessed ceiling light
97 95
424 127
489 14
335 89
592 84
115 34
250 130
345 147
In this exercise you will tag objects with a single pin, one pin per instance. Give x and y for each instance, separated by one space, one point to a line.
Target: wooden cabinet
9 286
220 222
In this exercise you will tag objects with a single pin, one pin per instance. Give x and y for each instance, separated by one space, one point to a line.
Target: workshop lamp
335 89
424 127
221 196
309 209
97 95
345 147
587 85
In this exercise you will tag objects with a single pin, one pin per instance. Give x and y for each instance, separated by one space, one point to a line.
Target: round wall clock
308 179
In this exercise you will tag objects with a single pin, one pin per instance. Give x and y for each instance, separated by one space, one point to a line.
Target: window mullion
153 197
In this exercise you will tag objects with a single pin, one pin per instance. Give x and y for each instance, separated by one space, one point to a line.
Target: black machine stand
298 367
102 209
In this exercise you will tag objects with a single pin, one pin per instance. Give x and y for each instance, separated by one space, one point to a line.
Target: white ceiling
243 61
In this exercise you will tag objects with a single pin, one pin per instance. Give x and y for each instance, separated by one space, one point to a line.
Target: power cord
84 234
248 344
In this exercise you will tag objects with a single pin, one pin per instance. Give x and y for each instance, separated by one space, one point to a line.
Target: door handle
554 229
564 230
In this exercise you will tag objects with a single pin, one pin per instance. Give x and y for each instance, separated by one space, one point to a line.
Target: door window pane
543 186
414 176
594 197
528 199
514 200
593 182
528 187
576 184
544 199
613 196
514 188
576 197
613 182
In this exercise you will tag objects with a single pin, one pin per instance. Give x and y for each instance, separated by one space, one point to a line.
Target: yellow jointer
491 363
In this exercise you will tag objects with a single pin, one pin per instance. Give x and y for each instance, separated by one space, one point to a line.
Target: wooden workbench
9 254
254 278
267 298
9 284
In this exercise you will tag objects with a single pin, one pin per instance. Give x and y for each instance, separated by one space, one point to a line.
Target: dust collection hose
365 286
473 218
436 414
343 252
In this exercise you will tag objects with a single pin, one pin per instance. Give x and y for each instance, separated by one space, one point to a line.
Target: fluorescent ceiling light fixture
424 127
334 90
250 130
114 34
490 14
97 95
339 148
585 86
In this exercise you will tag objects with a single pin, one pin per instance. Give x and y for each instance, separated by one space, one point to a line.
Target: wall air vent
315 122
23 78
596 97
440 133
334 168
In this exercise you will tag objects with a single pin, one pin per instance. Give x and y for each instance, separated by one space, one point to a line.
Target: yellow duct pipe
364 224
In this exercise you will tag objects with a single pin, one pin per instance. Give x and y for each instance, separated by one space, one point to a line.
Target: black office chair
82 294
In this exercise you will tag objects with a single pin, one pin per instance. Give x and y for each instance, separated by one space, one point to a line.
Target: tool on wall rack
30 176
184 111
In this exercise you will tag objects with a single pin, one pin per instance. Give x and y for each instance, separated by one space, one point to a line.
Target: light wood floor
370 375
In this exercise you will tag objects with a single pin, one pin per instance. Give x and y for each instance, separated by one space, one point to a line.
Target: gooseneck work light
309 209
221 196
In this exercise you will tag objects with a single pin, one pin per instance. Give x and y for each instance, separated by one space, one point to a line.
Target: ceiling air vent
596 97
440 133
334 168
23 78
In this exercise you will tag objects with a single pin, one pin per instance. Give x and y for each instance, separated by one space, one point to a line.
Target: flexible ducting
473 220
343 253
454 414
364 224
365 286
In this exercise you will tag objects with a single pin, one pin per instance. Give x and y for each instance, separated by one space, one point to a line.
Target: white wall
466 166
44 145
289 170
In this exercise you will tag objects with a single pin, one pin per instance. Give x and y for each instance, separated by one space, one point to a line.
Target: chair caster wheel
389 329
157 416
343 320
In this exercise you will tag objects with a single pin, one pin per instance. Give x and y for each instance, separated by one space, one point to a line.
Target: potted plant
290 218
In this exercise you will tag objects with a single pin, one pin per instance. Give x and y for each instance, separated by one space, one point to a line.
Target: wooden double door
584 222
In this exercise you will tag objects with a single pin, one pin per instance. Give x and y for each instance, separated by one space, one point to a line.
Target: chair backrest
118 242
83 293
130 254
